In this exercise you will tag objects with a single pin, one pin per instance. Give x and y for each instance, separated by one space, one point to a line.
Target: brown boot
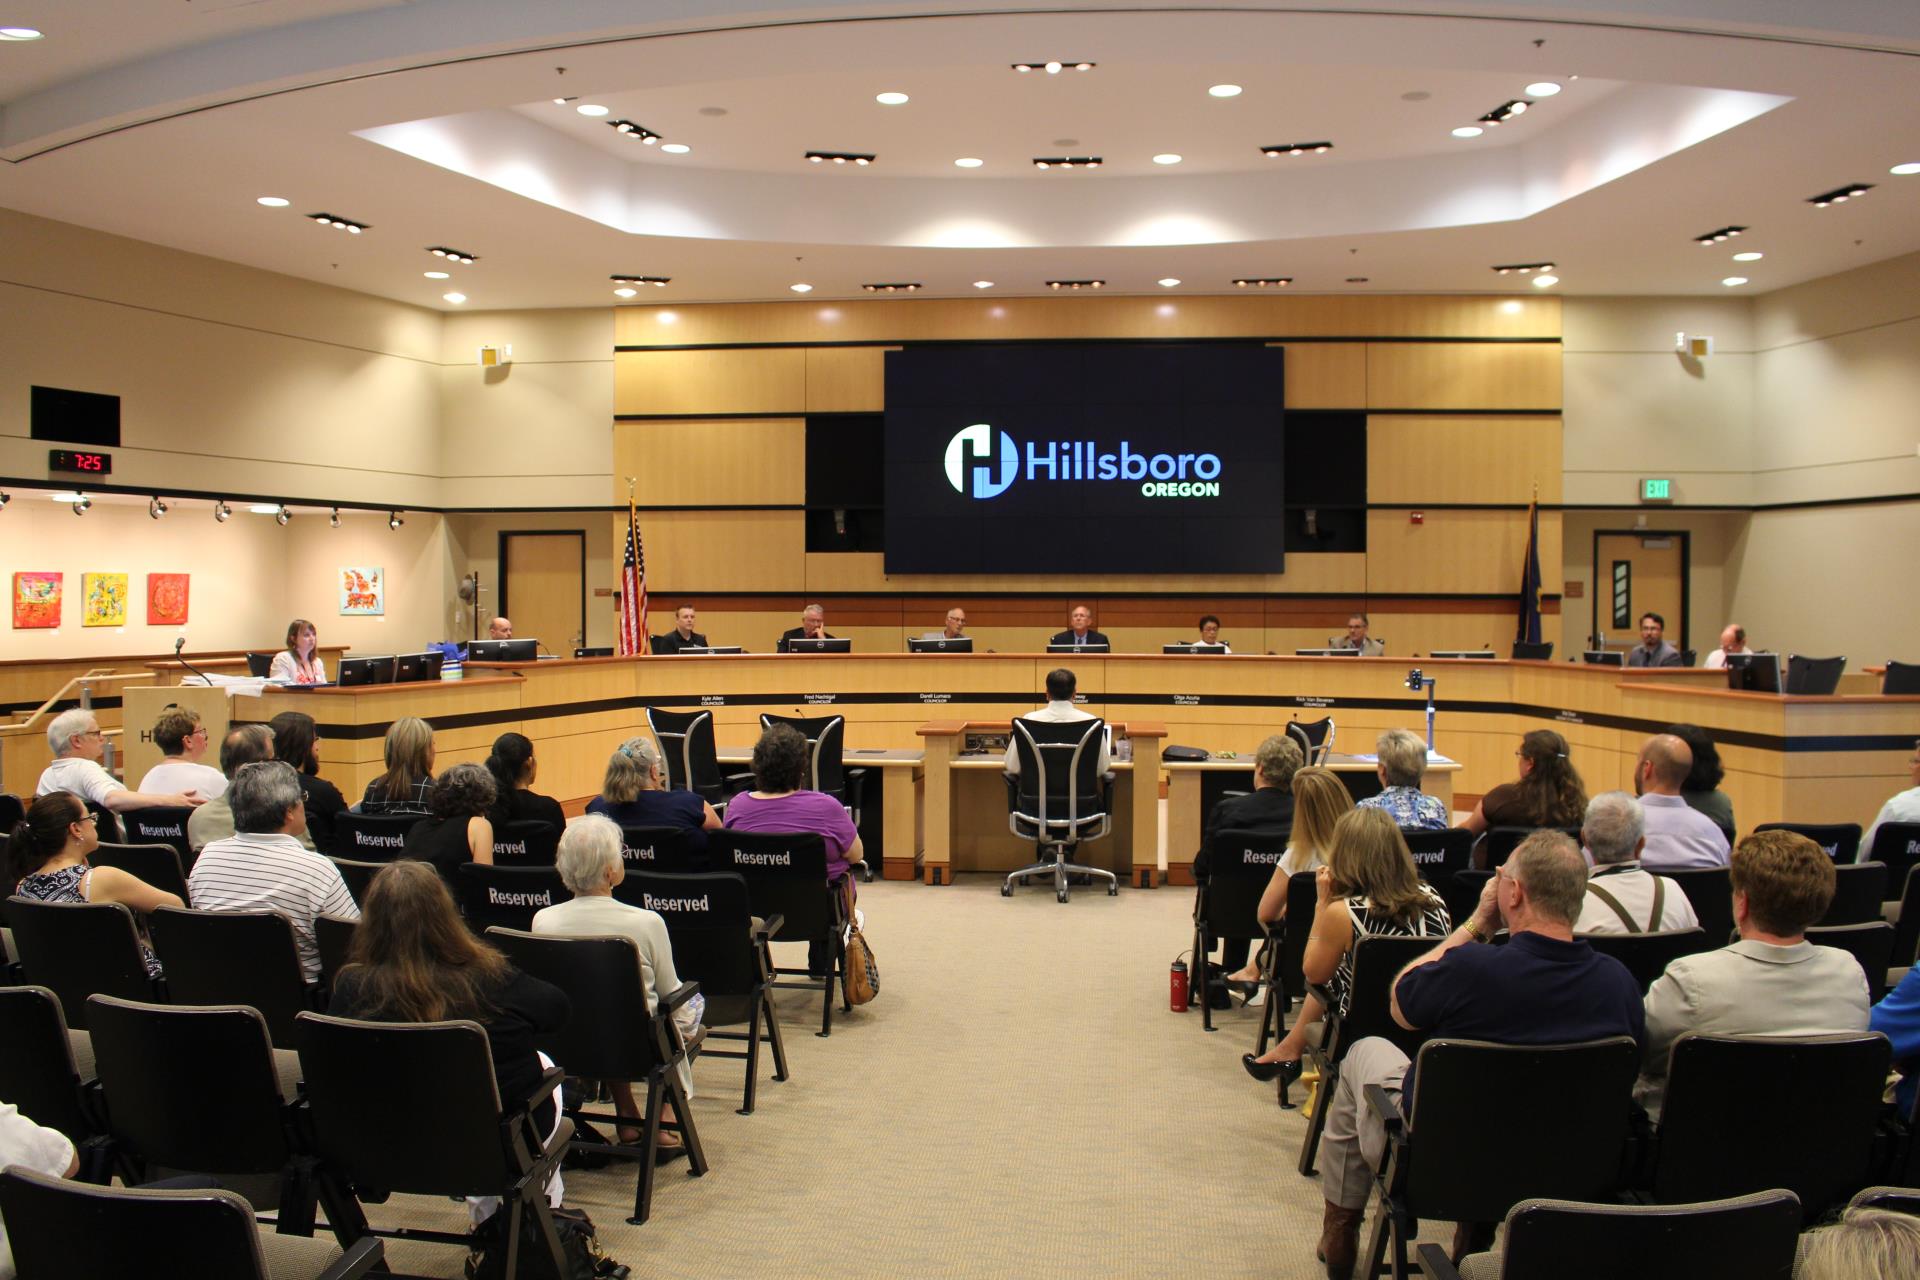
1340 1240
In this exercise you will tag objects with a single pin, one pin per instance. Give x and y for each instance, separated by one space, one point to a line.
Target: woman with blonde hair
1368 887
299 662
1319 798
403 787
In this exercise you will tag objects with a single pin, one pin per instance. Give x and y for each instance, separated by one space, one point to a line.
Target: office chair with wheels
685 739
1059 799
1315 738
1901 678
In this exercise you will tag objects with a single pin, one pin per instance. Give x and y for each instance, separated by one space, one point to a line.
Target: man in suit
1267 810
1357 638
1653 649
813 626
683 636
1080 630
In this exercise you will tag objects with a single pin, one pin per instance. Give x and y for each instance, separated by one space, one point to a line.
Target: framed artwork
363 592
167 599
36 600
103 599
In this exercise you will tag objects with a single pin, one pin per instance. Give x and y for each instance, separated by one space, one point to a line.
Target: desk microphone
179 643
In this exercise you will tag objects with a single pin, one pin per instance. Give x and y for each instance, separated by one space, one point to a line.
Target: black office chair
1314 738
1240 865
357 876
1869 942
106 827
1647 955
612 1035
1438 856
1710 892
826 769
1377 961
786 876
259 665
1901 678
507 897
1754 1237
235 957
526 843
12 810
666 849
1058 800
1689 658
685 739
1858 890
1526 652
160 826
715 944
1839 840
372 837
40 1074
334 937
157 864
1897 846
79 949
1814 677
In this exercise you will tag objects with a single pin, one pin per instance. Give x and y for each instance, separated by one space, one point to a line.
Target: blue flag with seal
1528 631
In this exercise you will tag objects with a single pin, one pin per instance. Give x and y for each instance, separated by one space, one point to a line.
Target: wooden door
1639 572
543 587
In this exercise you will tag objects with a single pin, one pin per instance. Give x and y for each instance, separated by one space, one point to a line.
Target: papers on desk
251 686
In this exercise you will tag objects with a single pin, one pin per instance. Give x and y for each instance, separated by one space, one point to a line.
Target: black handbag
581 1255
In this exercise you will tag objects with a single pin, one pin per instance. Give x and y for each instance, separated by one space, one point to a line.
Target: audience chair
1240 865
1314 737
528 843
1871 943
786 876
79 949
160 826
157 864
1858 890
1745 1114
433 1082
1813 677
826 749
1897 845
1840 840
659 849
1647 955
334 937
1377 962
105 825
42 1074
1901 678
12 810
235 957
60 1230
1501 841
372 837
1710 892
1906 924
686 745
357 876
1058 800
1444 1167
611 1035
716 945
1526 652
1893 1199
1754 1237
1285 982
1438 856
507 896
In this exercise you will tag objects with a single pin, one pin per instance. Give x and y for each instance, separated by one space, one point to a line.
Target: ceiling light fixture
1902 170
1262 282
274 202
593 109
393 520
624 292
283 515
435 275
81 504
1542 89
265 508
1168 282
1546 281
1524 268
5 498
675 148
455 298
891 98
1296 149
1748 257
1224 91
338 223
840 157
1840 195
1468 131
1734 281
659 282
221 510
20 33
451 255
969 162
638 132
333 521
1066 162
1505 112
1168 157
802 287
1716 237
909 287
155 507
1076 285
1053 68
983 284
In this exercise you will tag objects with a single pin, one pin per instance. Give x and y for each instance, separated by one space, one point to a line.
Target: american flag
633 589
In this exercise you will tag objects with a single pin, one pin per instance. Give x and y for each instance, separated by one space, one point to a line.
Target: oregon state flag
1528 631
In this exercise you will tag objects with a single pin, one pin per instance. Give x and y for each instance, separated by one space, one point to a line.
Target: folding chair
40 1074
1285 982
236 957
786 876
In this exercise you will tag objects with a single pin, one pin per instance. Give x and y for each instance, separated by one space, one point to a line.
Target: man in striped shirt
262 866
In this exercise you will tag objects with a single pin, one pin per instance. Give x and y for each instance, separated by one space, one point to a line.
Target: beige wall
474 546
1830 580
1713 537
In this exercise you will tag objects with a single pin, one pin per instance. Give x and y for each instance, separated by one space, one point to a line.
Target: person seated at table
78 745
1267 810
1210 632
299 662
47 853
1319 801
296 739
1548 793
514 770
813 626
1732 640
955 629
500 629
1061 709
635 793
1080 630
1402 763
1368 888
409 755
590 865
683 636
457 829
182 740
1653 649
1357 638
1701 790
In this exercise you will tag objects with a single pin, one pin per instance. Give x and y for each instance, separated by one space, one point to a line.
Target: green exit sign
1656 491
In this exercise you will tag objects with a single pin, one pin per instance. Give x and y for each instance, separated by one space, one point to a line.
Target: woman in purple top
778 804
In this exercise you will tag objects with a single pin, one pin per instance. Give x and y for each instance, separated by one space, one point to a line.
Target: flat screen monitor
1604 658
259 665
941 644
369 670
1462 653
1754 672
503 651
1193 648
409 667
1326 653
598 651
839 644
1079 648
697 650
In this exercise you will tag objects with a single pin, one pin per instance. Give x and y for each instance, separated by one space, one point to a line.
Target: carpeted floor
1017 1101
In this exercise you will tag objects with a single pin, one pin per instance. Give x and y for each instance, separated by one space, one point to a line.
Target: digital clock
86 464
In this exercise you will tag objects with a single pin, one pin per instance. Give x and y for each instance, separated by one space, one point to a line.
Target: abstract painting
167 599
103 599
363 591
36 600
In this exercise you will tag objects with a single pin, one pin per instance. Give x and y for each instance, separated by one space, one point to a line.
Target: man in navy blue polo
1543 987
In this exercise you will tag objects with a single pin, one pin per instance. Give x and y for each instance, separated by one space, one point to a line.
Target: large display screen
1063 457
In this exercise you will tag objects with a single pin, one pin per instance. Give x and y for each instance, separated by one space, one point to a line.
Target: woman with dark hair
514 770
457 830
1701 790
297 741
409 755
47 853
1549 792
635 794
299 662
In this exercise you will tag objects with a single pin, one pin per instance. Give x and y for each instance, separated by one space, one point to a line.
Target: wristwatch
1473 931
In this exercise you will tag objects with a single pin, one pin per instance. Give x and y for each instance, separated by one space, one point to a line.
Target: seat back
157 864
1754 1237
159 826
372 837
234 957
62 1228
786 875
1647 955
1438 854
1897 846
1501 841
1059 783
11 811
710 923
826 742
1815 677
79 949
190 1087
334 937
432 1082
1858 890
1455 1174
105 825
1523 651
1377 961
357 876
1314 737
1893 1199
659 849
1745 1114
609 1033
1710 892
685 739
37 1072
507 897
1900 678
1871 943
526 843
1240 867
1302 895
1840 840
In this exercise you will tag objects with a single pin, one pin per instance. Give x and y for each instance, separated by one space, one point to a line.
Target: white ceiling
433 122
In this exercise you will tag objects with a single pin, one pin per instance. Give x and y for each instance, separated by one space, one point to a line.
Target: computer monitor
1193 648
369 670
598 651
1604 658
503 651
259 665
696 650
1326 653
1754 672
1079 648
1462 653
941 644
410 667
822 644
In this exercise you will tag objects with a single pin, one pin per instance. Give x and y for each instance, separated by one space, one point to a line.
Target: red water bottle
1177 987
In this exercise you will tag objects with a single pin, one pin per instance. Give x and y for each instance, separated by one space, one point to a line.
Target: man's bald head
1665 763
500 629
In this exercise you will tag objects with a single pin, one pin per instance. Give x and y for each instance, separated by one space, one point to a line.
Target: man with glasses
182 740
78 746
1903 807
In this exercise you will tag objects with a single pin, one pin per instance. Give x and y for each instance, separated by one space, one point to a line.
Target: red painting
167 599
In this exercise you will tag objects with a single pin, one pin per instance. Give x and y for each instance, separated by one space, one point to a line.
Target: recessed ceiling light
1415 95
1168 282
1904 169
1545 282
675 148
890 99
713 111
434 275
1167 157
1542 89
801 288
455 298
1748 257
969 162
1224 91
273 202
624 292
983 284
1732 281
593 109
19 33
1468 131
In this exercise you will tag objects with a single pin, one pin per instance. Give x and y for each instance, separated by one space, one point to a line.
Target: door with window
1635 572
543 587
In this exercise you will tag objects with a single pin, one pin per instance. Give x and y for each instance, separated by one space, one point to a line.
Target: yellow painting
104 599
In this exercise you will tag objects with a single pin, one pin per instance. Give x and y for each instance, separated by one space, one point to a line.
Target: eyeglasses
86 817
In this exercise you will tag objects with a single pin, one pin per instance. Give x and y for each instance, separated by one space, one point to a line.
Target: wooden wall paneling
1326 375
691 462
1466 377
1463 459
846 379
1457 551
692 383
695 551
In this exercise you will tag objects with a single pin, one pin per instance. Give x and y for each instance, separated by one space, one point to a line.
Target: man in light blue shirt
1679 837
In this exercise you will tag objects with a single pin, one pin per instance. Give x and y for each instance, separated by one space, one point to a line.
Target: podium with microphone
141 705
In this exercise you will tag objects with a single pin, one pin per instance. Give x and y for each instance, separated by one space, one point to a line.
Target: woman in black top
296 741
458 830
514 770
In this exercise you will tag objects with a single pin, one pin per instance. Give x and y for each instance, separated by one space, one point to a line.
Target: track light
155 507
339 223
5 498
283 515
393 520
333 521
81 503
1840 195
861 159
221 510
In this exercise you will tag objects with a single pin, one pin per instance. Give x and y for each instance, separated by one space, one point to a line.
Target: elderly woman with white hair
635 794
1402 764
590 865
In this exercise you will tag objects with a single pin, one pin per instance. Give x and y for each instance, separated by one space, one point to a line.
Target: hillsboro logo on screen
984 463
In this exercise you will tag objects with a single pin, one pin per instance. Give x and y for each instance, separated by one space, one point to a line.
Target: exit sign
1656 491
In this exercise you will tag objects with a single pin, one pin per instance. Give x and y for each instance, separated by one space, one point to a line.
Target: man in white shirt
1622 898
1732 640
30 1146
1903 807
1772 982
78 746
1060 708
182 740
1679 836
261 867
